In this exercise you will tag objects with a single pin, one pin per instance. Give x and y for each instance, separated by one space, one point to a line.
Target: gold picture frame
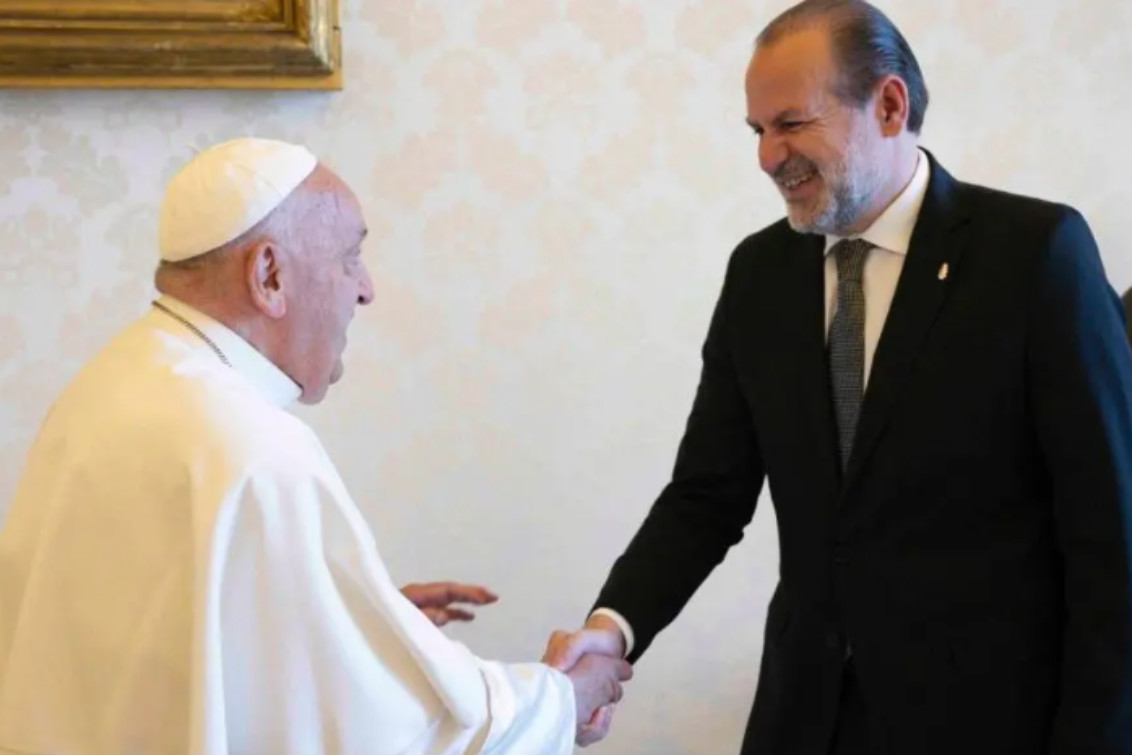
170 44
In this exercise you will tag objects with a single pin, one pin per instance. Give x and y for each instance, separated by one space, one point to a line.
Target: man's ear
892 105
265 279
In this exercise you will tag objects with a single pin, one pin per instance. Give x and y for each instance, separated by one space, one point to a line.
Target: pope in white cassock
182 569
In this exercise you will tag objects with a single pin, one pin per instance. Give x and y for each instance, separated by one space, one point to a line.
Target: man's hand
566 651
601 635
435 600
597 686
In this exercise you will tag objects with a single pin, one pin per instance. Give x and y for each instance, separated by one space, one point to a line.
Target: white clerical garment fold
183 571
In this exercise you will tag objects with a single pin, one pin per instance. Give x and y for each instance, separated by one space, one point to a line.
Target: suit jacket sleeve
1081 388
703 510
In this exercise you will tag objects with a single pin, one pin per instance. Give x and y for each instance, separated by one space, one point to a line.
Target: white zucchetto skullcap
225 191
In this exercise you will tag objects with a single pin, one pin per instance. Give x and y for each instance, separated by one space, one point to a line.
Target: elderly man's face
819 151
331 281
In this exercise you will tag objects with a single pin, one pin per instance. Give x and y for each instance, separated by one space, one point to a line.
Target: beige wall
553 187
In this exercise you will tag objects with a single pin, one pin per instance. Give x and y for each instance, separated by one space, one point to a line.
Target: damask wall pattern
553 188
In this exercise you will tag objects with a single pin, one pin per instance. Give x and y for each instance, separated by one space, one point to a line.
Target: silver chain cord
194 329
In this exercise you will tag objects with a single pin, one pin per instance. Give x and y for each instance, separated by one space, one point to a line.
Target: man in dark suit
933 378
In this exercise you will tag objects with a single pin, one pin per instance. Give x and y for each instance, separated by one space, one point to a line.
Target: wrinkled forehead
795 72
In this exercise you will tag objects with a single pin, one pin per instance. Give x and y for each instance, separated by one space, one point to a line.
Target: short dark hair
867 46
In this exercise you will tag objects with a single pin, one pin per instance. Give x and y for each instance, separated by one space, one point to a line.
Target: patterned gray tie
847 342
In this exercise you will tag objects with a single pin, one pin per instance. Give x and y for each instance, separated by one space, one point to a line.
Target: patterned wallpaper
553 188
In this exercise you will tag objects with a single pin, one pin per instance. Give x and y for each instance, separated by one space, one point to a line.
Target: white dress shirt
890 234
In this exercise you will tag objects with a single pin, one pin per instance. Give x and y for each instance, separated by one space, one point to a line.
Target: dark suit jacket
1127 300
976 554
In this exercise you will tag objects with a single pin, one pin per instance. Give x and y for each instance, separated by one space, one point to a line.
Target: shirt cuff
621 623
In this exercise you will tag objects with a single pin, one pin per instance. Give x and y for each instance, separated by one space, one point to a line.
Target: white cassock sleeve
311 649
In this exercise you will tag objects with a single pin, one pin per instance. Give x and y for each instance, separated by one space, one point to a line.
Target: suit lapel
807 375
937 240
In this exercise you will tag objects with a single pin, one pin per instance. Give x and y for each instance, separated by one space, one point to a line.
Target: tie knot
850 255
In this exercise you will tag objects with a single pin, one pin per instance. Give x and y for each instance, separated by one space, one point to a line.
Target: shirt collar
245 359
893 229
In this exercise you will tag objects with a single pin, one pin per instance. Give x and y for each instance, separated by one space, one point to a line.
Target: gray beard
846 204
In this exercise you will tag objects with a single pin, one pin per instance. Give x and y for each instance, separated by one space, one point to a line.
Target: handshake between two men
592 658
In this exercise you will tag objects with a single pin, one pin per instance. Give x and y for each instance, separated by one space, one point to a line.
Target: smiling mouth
793 183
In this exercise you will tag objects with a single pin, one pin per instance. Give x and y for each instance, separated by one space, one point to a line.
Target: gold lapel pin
943 270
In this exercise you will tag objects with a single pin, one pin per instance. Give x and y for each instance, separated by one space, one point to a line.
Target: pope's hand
436 600
566 651
597 686
597 728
